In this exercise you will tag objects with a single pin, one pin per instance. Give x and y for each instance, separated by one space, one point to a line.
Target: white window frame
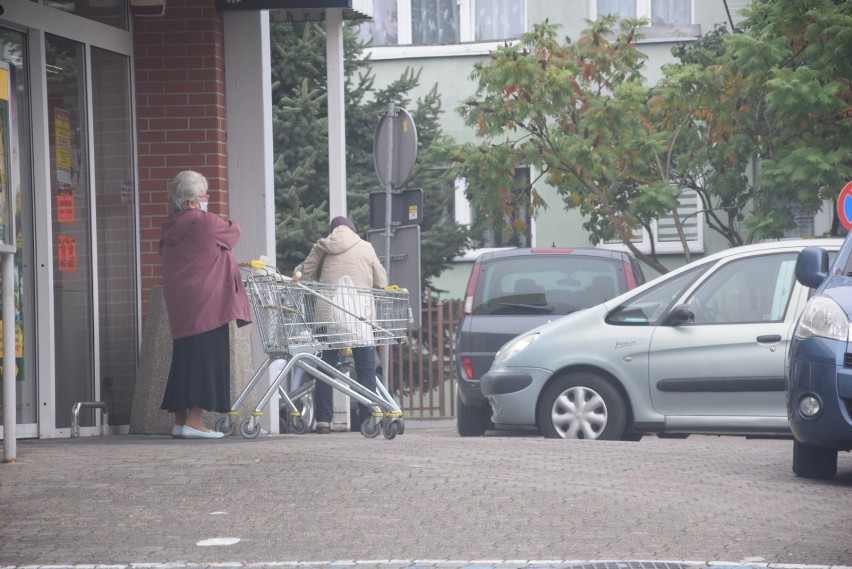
645 239
463 214
656 34
467 32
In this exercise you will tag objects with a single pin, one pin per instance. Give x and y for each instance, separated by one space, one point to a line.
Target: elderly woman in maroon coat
204 291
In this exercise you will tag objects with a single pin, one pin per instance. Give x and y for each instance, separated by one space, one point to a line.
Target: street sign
395 147
404 265
844 206
406 208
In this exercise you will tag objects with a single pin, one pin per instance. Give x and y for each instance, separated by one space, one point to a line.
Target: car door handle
769 338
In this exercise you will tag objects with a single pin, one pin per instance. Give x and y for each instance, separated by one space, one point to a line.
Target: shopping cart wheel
401 426
391 430
249 431
370 428
225 425
299 426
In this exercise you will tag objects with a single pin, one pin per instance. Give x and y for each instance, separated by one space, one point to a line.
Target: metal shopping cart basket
297 320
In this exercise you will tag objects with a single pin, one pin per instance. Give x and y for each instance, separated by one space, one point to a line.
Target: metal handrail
75 413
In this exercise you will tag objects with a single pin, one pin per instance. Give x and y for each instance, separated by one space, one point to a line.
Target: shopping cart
297 320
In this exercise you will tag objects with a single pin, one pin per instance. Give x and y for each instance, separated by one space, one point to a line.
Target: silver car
702 349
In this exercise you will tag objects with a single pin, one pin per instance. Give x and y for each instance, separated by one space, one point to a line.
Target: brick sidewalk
427 495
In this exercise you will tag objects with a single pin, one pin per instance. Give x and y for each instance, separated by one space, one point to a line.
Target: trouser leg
365 369
323 395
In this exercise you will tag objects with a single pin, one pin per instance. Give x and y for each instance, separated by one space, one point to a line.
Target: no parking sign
844 206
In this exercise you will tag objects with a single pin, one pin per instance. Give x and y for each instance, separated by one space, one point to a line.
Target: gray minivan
512 291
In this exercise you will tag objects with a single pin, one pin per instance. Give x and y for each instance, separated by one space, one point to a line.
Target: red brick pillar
180 115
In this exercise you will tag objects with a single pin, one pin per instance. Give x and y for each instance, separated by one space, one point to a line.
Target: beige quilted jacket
342 253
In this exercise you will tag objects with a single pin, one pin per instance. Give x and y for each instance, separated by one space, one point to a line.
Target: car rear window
546 284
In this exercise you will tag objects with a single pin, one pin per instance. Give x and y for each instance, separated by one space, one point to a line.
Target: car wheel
472 421
582 406
811 461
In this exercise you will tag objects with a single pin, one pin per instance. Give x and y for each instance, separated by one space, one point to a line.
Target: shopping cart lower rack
296 320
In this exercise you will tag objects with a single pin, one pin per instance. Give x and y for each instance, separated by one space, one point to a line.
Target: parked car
819 380
702 349
514 290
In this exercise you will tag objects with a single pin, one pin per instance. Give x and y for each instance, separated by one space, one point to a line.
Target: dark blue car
819 377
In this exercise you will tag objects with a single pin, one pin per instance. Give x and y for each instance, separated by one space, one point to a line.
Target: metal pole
336 113
388 225
7 296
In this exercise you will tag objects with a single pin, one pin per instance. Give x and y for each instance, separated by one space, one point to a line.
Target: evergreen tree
300 127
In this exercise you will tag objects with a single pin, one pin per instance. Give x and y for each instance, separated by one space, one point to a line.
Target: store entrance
74 176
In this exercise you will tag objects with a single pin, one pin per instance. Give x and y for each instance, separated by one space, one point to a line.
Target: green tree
791 73
716 145
577 112
771 116
300 128
757 122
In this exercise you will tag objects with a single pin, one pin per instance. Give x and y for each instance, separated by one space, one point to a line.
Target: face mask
202 206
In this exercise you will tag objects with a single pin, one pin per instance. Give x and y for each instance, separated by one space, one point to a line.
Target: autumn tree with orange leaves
577 113
755 122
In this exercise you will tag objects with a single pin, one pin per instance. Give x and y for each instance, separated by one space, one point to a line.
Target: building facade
107 104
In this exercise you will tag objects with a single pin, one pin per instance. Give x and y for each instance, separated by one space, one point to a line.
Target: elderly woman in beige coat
343 253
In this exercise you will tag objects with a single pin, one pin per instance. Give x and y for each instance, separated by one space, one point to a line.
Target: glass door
115 217
77 208
72 229
13 51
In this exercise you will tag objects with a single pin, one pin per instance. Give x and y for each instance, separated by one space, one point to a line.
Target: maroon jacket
202 284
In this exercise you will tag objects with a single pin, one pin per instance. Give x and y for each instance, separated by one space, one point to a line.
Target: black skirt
200 374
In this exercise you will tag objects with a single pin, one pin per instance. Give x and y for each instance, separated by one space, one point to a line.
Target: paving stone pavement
428 498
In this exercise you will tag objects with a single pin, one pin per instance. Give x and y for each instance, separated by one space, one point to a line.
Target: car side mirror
680 314
812 266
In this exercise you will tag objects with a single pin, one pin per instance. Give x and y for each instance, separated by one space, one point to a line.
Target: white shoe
190 433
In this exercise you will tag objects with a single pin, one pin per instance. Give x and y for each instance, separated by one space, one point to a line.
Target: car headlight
824 318
514 346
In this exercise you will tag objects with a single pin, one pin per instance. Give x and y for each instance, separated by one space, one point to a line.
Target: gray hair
186 187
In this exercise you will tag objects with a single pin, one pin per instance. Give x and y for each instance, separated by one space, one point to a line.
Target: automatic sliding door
71 222
115 201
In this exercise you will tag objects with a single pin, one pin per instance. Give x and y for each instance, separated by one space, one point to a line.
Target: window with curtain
434 22
621 8
670 12
443 22
498 19
659 12
482 234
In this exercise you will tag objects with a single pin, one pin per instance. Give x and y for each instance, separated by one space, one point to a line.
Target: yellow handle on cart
255 264
264 268
394 288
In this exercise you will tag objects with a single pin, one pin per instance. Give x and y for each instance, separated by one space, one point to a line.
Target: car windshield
648 307
546 284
